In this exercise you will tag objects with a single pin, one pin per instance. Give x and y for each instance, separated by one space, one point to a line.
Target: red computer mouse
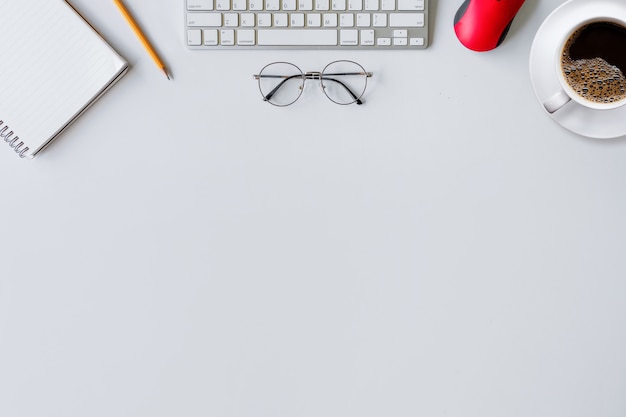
482 25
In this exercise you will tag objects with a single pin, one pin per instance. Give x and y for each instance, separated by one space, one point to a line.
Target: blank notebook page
53 66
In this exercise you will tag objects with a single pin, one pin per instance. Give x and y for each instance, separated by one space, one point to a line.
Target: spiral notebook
54 65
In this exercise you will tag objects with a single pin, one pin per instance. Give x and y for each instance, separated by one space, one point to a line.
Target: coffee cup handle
558 100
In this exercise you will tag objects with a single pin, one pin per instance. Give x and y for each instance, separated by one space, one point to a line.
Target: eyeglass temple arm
269 95
357 100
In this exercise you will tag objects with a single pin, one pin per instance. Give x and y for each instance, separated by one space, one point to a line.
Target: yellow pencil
141 37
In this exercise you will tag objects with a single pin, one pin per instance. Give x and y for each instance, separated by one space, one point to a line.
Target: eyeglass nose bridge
313 75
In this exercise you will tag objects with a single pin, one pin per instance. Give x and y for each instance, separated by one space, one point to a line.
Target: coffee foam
593 79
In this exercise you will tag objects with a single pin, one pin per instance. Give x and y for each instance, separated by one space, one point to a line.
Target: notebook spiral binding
13 140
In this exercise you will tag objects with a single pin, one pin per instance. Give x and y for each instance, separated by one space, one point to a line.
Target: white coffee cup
566 93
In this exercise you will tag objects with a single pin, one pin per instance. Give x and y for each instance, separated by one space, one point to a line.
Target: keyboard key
399 41
355 5
322 4
272 5
297 19
346 20
199 4
296 37
314 20
367 37
264 19
227 37
222 5
204 19
349 37
305 5
231 19
330 20
289 4
410 4
380 20
247 19
388 5
417 41
256 5
240 5
210 37
371 5
363 19
245 37
383 41
339 4
400 33
407 20
281 19
194 37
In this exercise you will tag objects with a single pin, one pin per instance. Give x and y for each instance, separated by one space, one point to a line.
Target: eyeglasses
343 82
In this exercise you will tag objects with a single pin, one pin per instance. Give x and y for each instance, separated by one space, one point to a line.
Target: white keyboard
306 24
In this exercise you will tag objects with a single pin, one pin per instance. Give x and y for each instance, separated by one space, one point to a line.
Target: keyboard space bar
296 37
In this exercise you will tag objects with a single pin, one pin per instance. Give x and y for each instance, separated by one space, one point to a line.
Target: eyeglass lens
281 83
344 82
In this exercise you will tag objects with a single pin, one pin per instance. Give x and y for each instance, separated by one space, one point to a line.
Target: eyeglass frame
312 75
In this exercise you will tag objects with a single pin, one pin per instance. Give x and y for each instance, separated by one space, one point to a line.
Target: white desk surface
185 249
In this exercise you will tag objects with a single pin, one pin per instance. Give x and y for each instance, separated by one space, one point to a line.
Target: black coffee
594 62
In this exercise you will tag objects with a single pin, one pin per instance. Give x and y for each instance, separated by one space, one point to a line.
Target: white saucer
598 124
